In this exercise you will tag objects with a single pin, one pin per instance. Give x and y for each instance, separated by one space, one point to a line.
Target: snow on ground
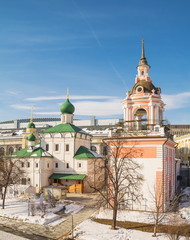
73 208
184 206
125 215
14 208
89 230
5 235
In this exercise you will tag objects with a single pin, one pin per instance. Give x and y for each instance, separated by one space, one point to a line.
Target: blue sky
92 48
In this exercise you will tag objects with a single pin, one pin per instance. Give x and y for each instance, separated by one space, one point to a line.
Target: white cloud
176 101
99 108
46 98
96 108
12 92
23 107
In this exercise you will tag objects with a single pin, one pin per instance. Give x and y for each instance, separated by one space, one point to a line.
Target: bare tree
123 179
10 173
161 209
175 228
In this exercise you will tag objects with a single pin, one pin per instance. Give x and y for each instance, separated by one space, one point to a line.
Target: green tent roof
67 176
64 127
36 152
83 153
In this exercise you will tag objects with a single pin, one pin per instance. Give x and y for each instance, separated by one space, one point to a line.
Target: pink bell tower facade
143 106
145 133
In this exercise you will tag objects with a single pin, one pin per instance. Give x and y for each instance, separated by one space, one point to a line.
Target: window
48 165
156 129
11 150
36 165
23 181
2 151
47 147
28 180
79 165
93 148
28 164
56 165
105 151
67 165
56 147
67 147
22 164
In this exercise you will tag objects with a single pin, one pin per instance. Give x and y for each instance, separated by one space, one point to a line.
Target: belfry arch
141 119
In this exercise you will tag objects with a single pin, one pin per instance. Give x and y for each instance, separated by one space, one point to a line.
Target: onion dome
67 107
31 137
31 125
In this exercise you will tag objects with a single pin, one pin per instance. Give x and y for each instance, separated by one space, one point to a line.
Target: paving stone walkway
42 232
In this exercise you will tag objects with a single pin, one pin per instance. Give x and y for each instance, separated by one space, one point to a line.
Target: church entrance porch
73 182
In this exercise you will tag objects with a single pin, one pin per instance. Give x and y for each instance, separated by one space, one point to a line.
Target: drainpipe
175 170
163 175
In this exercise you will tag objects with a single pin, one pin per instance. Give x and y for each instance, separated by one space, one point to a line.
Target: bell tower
143 106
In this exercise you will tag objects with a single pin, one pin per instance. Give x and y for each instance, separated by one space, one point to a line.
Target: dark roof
148 87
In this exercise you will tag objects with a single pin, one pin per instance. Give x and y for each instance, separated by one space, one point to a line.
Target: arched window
11 150
93 148
2 151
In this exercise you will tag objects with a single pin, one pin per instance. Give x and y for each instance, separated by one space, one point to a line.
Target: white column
157 113
126 114
151 114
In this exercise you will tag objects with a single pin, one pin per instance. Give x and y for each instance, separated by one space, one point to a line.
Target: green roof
67 176
31 125
36 152
83 153
67 107
31 137
64 127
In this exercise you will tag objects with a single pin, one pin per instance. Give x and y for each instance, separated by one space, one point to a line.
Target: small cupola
67 109
143 67
31 137
31 141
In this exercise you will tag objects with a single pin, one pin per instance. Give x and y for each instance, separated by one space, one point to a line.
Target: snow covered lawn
89 230
18 209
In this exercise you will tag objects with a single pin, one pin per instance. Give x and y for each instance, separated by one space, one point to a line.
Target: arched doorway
141 119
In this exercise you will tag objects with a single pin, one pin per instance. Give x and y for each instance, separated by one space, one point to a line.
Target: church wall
156 156
37 172
64 159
